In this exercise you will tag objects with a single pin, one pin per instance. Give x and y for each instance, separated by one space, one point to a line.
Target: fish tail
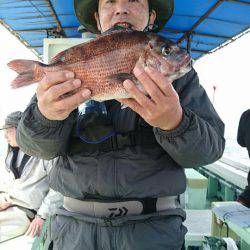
29 72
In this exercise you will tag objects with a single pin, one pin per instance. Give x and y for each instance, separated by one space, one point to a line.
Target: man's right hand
50 91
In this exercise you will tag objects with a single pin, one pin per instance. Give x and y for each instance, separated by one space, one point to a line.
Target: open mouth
123 25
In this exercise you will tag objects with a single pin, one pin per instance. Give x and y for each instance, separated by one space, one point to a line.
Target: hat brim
85 9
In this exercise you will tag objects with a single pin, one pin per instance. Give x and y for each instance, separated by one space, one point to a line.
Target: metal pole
174 31
238 2
214 90
200 20
189 43
60 29
42 29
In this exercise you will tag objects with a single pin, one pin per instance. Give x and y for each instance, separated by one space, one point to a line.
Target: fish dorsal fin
60 57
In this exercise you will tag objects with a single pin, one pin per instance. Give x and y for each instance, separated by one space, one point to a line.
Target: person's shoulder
244 122
246 113
245 117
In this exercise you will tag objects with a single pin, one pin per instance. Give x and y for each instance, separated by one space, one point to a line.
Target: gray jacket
31 190
133 171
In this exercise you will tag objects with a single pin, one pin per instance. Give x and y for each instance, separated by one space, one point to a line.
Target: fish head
164 55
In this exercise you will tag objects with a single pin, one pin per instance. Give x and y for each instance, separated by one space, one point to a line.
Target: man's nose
121 9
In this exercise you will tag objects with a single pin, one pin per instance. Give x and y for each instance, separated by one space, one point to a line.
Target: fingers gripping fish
103 64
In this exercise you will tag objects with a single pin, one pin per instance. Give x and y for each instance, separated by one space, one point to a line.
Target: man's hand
161 108
5 201
35 227
50 91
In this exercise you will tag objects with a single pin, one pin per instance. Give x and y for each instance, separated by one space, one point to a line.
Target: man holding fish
121 170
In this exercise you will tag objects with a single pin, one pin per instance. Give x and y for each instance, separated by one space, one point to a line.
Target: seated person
25 197
243 139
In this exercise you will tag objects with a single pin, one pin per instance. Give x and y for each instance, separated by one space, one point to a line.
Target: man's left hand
4 206
35 227
5 201
161 108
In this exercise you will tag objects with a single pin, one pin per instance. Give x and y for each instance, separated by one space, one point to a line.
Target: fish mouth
186 65
183 67
124 25
187 61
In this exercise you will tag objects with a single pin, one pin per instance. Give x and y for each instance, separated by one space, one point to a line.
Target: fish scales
104 63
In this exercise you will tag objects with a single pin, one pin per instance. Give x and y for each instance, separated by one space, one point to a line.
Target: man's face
10 136
132 14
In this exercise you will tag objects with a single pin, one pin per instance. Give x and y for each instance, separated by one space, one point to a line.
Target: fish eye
166 51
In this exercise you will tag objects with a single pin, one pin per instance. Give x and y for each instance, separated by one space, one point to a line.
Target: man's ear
97 21
152 17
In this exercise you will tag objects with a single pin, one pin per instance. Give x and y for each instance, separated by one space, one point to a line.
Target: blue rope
94 106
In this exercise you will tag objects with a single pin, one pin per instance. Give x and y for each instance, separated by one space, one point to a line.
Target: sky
10 99
227 69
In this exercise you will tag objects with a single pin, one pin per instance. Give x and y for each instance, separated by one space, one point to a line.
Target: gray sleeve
53 199
43 138
199 138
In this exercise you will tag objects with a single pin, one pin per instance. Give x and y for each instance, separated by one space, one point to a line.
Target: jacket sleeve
50 203
199 138
244 129
43 138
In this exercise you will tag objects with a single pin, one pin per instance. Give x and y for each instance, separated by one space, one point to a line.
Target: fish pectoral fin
121 77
